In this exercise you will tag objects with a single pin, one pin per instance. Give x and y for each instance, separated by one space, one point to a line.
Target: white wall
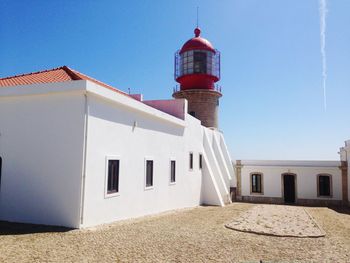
111 132
41 144
306 172
216 176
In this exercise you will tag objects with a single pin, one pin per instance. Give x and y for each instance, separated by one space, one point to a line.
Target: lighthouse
197 69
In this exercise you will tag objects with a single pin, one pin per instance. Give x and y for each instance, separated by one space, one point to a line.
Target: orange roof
52 75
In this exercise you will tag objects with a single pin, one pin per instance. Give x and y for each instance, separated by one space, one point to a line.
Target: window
200 161
324 182
172 171
149 173
197 62
256 183
192 113
191 161
113 177
200 62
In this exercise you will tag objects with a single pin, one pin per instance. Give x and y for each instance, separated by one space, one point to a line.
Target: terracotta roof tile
60 74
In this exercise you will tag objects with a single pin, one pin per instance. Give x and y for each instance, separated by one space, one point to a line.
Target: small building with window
290 182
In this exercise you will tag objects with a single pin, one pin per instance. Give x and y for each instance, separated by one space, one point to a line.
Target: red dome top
197 43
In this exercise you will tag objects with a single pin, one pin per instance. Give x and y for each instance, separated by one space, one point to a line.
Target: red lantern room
197 64
197 68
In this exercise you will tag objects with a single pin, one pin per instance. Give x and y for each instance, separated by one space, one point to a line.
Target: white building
299 182
76 152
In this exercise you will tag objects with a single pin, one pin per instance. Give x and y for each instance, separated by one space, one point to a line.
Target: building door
289 188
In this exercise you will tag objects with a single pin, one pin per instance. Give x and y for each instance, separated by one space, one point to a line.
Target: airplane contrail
323 13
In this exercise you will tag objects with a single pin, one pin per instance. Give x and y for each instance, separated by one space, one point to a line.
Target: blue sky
272 104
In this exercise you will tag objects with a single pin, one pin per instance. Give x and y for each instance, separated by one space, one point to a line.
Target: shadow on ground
341 209
8 228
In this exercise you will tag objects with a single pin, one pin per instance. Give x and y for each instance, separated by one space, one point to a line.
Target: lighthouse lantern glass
200 62
197 62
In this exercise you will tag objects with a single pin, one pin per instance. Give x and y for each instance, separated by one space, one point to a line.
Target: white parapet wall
177 108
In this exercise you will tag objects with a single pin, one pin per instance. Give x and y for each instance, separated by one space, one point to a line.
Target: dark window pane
149 173
192 113
200 161
256 183
324 185
191 160
113 176
172 173
200 62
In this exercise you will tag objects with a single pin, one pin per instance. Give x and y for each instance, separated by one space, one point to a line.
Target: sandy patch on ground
277 220
195 235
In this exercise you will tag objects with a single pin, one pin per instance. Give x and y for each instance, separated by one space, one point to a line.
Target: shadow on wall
8 228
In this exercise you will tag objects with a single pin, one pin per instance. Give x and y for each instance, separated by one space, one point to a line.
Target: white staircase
217 169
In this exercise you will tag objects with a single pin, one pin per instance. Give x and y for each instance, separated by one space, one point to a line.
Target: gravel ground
194 235
277 220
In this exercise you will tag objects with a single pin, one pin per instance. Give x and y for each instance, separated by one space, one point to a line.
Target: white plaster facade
55 139
306 178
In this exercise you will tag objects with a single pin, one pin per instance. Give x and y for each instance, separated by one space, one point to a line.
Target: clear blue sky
272 105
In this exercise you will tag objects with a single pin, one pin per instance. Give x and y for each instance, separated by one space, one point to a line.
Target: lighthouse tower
197 68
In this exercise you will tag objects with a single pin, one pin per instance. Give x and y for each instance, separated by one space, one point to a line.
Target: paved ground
196 235
277 220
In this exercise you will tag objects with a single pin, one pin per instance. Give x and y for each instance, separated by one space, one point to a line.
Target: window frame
145 173
111 158
261 183
170 170
330 185
190 161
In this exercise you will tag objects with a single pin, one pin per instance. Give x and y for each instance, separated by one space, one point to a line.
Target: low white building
79 153
324 183
298 182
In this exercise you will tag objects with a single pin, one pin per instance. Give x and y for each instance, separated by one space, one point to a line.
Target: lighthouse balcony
216 88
